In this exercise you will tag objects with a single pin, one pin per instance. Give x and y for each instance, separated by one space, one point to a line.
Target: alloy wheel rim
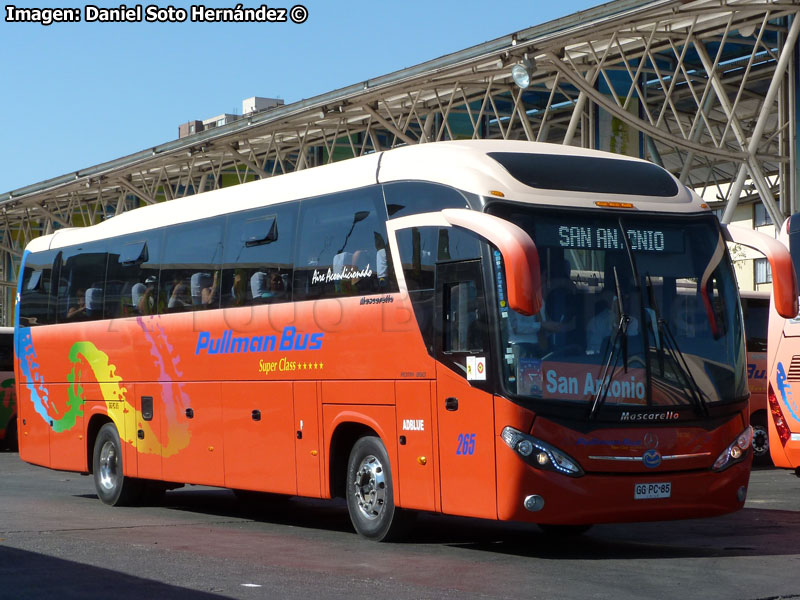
108 466
370 488
760 441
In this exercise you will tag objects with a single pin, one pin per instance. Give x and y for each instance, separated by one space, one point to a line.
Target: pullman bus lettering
230 344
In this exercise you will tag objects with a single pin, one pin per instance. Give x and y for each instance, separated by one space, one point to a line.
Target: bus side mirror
784 280
520 257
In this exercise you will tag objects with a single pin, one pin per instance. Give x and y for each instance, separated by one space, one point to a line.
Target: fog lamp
525 448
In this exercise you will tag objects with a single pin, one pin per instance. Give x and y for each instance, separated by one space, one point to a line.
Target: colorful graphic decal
39 394
786 393
127 419
175 400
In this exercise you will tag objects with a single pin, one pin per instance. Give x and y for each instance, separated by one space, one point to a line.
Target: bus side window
343 247
190 266
36 306
132 275
463 328
81 283
258 256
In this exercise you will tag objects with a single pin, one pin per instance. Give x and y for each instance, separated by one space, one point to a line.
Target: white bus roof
460 164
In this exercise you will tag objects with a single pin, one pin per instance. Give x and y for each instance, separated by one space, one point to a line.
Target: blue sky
77 94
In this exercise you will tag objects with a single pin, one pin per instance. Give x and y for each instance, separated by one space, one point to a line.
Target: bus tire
370 492
761 454
113 488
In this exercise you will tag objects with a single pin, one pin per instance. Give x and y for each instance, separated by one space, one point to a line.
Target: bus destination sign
594 237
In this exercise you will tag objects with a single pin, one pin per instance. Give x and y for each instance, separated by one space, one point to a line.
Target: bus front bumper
531 495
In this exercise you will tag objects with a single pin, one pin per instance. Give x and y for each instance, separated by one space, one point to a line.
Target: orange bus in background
495 329
8 392
783 362
755 310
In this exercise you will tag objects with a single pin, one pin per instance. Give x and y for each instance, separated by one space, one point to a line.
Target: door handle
147 408
451 403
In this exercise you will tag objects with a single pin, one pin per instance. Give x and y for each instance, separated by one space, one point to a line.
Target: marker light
547 458
606 204
736 451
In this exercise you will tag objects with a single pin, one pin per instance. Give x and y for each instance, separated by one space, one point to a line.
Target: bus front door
464 408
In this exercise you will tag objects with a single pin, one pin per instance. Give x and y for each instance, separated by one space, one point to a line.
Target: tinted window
190 266
422 247
81 283
414 197
34 299
587 174
756 321
461 328
132 275
342 249
259 247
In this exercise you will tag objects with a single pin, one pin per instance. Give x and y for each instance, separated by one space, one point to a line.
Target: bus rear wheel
113 488
370 492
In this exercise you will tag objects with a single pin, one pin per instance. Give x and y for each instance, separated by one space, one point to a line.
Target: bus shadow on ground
749 532
30 575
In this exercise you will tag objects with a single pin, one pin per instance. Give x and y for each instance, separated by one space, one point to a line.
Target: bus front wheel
761 454
112 486
370 492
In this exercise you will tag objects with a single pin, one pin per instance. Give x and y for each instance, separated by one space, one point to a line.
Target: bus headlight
736 451
540 454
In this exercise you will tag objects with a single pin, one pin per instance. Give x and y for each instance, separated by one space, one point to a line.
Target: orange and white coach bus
496 329
783 367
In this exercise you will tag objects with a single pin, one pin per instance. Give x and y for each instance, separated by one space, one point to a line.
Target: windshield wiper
671 344
621 336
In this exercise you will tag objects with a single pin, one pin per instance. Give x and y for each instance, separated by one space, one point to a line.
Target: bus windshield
638 311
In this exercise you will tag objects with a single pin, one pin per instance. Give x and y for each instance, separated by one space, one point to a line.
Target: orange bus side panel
307 439
258 423
196 409
67 447
147 434
777 451
378 418
466 447
415 459
34 436
358 392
